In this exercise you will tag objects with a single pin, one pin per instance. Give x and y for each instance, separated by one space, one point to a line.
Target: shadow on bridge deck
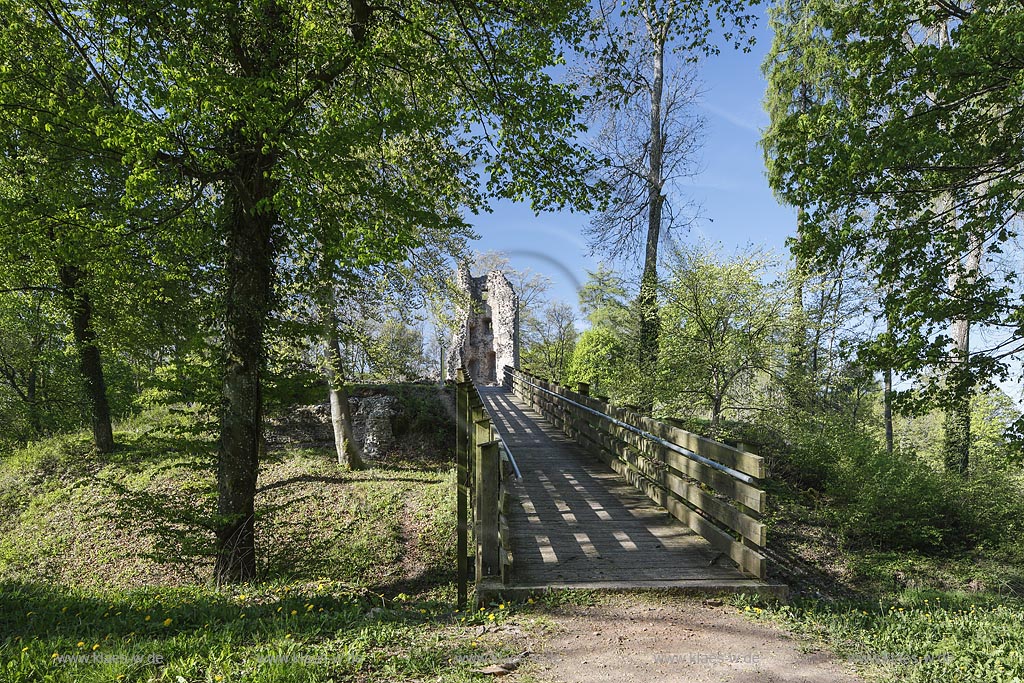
576 523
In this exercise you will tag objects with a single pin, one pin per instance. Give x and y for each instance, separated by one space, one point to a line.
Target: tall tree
792 92
549 339
724 321
643 91
65 229
918 136
257 100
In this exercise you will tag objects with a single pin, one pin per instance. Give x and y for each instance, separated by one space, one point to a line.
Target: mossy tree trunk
349 455
90 363
250 259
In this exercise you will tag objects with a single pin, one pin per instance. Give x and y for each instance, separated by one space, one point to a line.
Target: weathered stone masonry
488 340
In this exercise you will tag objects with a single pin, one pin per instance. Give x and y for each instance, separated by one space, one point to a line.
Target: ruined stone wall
504 305
488 339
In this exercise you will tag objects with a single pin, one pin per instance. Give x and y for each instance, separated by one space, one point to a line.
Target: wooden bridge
558 489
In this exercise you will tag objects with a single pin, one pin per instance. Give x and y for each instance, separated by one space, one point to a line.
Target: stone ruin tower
488 339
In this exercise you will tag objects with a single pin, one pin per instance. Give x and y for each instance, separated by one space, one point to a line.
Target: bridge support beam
462 487
488 481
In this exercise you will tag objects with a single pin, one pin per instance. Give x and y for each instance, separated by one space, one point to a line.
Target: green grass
105 561
919 636
90 546
918 618
947 612
270 632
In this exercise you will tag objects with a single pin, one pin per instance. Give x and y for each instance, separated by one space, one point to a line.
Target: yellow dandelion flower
54 656
294 612
148 617
24 649
95 647
167 622
280 608
309 608
501 606
491 617
81 644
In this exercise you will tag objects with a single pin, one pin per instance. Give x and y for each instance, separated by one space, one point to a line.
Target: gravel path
624 640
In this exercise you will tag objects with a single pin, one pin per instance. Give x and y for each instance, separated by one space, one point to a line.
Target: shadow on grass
353 479
49 611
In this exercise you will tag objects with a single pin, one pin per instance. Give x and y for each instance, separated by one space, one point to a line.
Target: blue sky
737 206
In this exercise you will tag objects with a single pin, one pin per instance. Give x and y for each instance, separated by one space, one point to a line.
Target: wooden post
583 388
481 426
488 481
462 488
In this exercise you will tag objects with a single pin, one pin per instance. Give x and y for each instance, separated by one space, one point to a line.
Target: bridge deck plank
575 521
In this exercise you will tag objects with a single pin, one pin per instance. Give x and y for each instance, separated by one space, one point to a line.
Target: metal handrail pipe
745 478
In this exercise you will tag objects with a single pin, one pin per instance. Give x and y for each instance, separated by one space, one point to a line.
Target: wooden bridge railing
709 486
484 467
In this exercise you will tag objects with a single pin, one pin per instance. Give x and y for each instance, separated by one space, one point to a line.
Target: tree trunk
716 413
798 356
348 450
650 320
796 380
957 426
35 418
887 408
90 364
250 259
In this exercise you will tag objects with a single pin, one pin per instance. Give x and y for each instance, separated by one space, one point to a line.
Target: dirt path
672 641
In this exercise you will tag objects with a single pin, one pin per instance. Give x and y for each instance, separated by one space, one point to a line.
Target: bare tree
643 104
549 340
529 286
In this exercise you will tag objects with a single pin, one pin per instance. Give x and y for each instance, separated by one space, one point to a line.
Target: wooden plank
745 525
739 460
744 494
749 559
488 468
462 492
733 518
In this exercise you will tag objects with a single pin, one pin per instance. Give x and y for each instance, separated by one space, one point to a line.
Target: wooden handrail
482 495
710 486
